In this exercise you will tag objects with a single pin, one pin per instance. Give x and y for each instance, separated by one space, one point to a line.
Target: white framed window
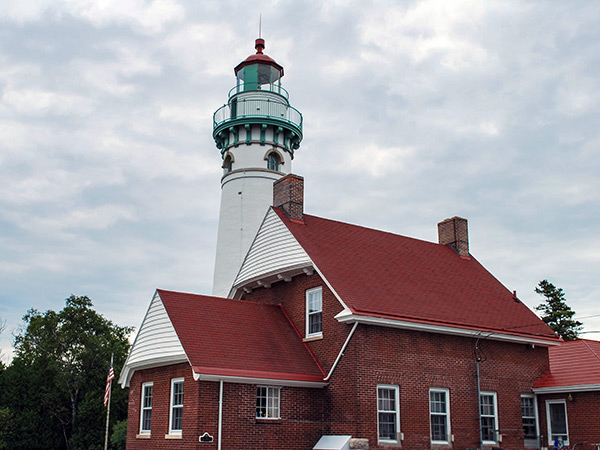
267 402
146 408
558 428
176 413
314 312
439 415
388 413
489 417
530 422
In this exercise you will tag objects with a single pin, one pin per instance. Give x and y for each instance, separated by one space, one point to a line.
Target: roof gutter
339 356
565 389
347 316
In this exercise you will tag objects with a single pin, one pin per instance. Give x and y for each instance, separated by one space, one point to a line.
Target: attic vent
454 232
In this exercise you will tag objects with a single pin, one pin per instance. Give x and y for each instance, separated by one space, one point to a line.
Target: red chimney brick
288 193
454 232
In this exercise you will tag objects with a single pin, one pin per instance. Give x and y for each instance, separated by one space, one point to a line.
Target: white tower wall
245 198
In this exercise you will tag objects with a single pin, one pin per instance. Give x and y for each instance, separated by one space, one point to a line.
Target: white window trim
537 425
142 408
446 391
496 427
396 389
551 402
276 389
307 295
173 381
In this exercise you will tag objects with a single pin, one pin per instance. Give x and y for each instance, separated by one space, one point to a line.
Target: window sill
174 436
269 421
389 444
143 436
317 337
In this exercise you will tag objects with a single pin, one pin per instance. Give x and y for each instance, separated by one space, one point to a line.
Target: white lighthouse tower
257 132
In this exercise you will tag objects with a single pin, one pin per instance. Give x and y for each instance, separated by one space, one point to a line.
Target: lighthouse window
273 162
227 164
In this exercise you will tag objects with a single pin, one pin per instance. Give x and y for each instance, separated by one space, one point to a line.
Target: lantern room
259 72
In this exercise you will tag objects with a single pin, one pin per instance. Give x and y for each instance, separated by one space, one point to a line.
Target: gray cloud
414 112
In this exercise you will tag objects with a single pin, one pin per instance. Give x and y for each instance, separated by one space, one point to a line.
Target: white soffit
156 342
274 250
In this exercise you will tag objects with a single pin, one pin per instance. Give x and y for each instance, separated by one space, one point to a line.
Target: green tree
118 437
556 313
54 387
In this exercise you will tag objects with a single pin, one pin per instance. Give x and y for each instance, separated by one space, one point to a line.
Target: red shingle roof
390 276
238 338
573 363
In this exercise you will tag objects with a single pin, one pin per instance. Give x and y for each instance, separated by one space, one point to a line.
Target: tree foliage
556 313
53 389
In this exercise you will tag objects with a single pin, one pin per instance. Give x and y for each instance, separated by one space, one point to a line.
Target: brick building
327 335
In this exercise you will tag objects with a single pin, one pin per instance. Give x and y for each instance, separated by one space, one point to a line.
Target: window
489 416
146 417
267 402
176 420
227 164
439 411
529 415
314 312
388 417
273 161
558 428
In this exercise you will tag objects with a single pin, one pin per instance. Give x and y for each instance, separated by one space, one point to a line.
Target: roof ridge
356 226
306 346
591 349
224 299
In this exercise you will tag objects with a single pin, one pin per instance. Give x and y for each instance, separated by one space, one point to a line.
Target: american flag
111 376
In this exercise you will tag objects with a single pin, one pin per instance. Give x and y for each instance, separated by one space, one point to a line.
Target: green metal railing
269 87
257 108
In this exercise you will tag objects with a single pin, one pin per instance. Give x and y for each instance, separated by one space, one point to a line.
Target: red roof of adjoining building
573 363
381 274
239 338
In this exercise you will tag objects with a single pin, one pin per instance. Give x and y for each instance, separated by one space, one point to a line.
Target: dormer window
273 161
314 312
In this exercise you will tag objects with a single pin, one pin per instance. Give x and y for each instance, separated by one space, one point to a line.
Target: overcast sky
414 111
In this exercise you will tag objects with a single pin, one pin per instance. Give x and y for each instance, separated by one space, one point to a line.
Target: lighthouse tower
257 132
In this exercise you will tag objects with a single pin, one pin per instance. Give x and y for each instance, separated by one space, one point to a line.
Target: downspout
335 363
478 360
220 429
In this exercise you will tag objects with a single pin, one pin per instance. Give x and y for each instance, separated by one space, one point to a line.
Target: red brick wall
415 361
418 361
583 418
299 428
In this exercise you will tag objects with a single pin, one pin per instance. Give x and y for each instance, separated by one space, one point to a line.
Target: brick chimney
454 232
288 193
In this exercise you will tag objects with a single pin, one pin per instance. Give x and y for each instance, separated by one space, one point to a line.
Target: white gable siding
155 343
274 250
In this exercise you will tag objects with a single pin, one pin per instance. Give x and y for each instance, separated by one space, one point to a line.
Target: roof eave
566 389
130 369
267 279
257 377
348 316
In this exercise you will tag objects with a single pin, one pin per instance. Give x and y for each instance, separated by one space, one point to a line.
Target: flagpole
108 409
